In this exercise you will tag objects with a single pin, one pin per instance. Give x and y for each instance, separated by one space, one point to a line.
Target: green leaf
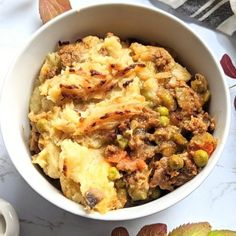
195 229
153 230
222 233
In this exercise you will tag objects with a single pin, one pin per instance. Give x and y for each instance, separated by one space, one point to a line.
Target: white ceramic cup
9 223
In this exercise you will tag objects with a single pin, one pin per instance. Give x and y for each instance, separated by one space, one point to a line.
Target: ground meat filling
168 179
150 146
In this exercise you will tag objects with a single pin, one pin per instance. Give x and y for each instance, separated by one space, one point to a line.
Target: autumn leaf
193 229
228 66
200 229
222 233
153 230
48 9
120 231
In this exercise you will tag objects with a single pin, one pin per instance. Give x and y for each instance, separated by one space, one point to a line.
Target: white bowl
125 20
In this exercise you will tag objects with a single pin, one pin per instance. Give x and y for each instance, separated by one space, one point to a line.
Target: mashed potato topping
118 123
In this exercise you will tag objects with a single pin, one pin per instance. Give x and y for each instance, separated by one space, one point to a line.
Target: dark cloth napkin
217 14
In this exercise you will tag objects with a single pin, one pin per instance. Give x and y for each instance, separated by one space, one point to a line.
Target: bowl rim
147 208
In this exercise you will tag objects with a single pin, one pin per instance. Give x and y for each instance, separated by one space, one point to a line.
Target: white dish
125 20
9 223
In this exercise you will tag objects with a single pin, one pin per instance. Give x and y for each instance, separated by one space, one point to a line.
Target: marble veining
231 169
42 223
6 168
223 188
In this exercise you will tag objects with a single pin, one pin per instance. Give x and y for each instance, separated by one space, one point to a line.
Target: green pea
138 194
163 111
122 142
176 162
164 120
180 139
156 193
120 183
113 174
200 158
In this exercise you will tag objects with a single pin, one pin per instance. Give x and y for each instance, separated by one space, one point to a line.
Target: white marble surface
213 201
